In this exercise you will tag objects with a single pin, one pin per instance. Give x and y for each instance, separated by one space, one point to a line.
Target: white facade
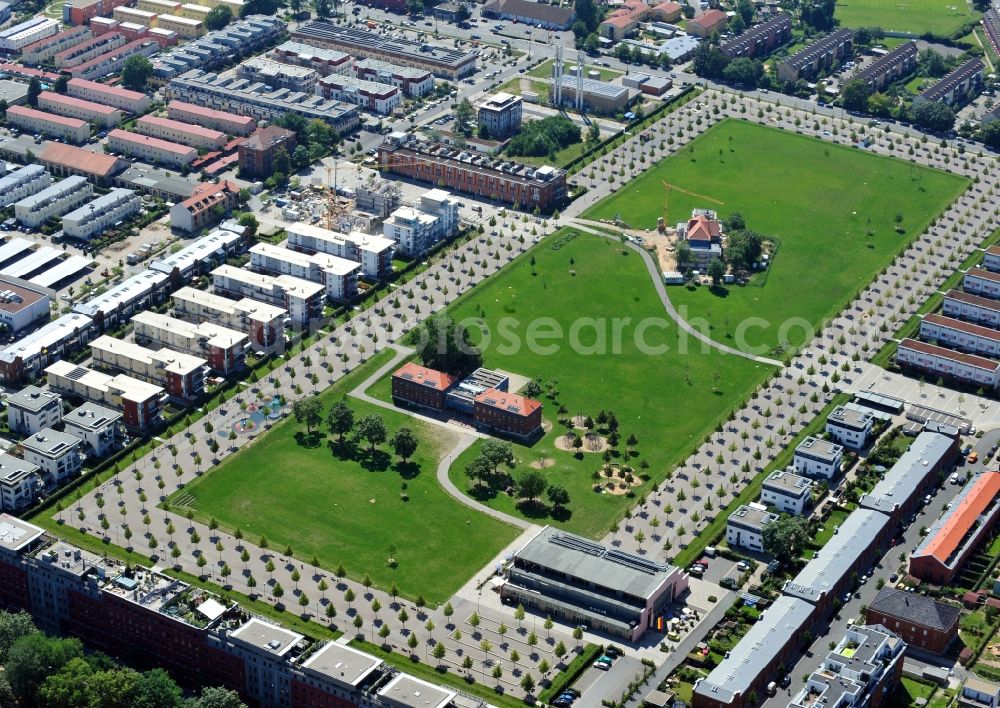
152 150
374 253
102 213
19 483
81 109
991 259
849 427
72 130
31 409
140 402
787 492
131 101
55 200
967 337
303 299
745 528
416 229
262 322
815 457
338 275
99 428
369 95
23 182
945 362
982 282
57 455
15 38
183 133
973 308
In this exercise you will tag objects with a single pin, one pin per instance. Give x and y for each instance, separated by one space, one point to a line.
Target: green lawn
351 511
814 199
544 70
917 16
910 690
665 398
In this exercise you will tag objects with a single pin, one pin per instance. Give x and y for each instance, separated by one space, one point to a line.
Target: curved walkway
654 273
466 437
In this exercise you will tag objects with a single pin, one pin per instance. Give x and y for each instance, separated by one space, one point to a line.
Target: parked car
973 456
954 479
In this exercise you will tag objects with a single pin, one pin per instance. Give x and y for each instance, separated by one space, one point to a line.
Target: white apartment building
816 457
53 201
974 308
30 120
263 323
979 281
228 123
414 83
98 428
850 427
787 492
374 253
183 133
139 402
125 99
15 38
949 363
82 109
32 409
301 298
45 49
199 256
152 150
964 336
25 358
23 182
224 349
338 275
369 95
117 304
745 527
57 455
102 213
416 229
181 375
19 483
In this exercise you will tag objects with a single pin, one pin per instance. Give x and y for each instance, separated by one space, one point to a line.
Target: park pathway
661 291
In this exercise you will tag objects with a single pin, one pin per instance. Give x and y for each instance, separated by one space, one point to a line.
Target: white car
954 479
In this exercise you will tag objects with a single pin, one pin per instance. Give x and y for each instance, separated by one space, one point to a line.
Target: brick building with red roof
420 386
508 413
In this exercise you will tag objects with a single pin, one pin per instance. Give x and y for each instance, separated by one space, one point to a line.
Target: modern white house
98 427
19 483
745 528
816 457
57 455
850 427
102 213
32 409
787 492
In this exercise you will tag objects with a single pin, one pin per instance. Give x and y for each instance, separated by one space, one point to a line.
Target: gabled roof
701 228
510 402
431 378
709 18
918 609
949 532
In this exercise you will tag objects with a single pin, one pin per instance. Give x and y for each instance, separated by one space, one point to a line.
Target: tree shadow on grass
561 513
374 460
481 492
533 509
346 450
719 291
309 440
408 469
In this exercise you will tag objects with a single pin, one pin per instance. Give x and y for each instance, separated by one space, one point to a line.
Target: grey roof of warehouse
913 607
839 557
766 639
901 482
156 180
595 87
363 39
579 557
13 92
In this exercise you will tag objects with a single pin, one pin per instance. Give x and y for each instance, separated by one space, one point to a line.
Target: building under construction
378 197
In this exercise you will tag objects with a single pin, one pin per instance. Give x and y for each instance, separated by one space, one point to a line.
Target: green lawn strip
89 542
819 200
665 399
571 673
941 17
717 527
562 158
911 327
429 673
913 690
836 518
349 511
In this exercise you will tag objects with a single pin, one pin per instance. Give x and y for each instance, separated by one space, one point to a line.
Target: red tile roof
93 163
510 402
194 130
438 380
109 90
156 143
984 274
710 18
978 362
206 196
993 250
26 112
970 299
976 498
701 228
27 72
62 100
959 325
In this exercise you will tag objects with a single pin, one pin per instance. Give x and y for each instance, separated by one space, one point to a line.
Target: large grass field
817 201
665 399
917 16
352 510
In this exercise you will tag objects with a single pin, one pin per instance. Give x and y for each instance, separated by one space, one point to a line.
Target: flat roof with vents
265 635
342 663
16 534
405 691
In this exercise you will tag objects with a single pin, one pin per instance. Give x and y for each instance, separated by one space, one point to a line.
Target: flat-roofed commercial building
957 533
224 349
53 201
102 213
22 304
948 363
57 455
85 51
960 84
69 107
822 55
413 82
964 336
261 322
338 275
181 375
26 357
32 120
448 167
369 95
153 150
117 304
374 253
862 669
45 49
126 100
303 299
323 61
184 133
17 37
923 622
139 402
210 118
444 62
816 457
579 582
98 428
23 182
590 94
201 256
974 308
20 483
66 160
32 409
228 93
787 492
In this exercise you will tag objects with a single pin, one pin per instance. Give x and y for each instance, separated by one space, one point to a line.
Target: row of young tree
52 672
